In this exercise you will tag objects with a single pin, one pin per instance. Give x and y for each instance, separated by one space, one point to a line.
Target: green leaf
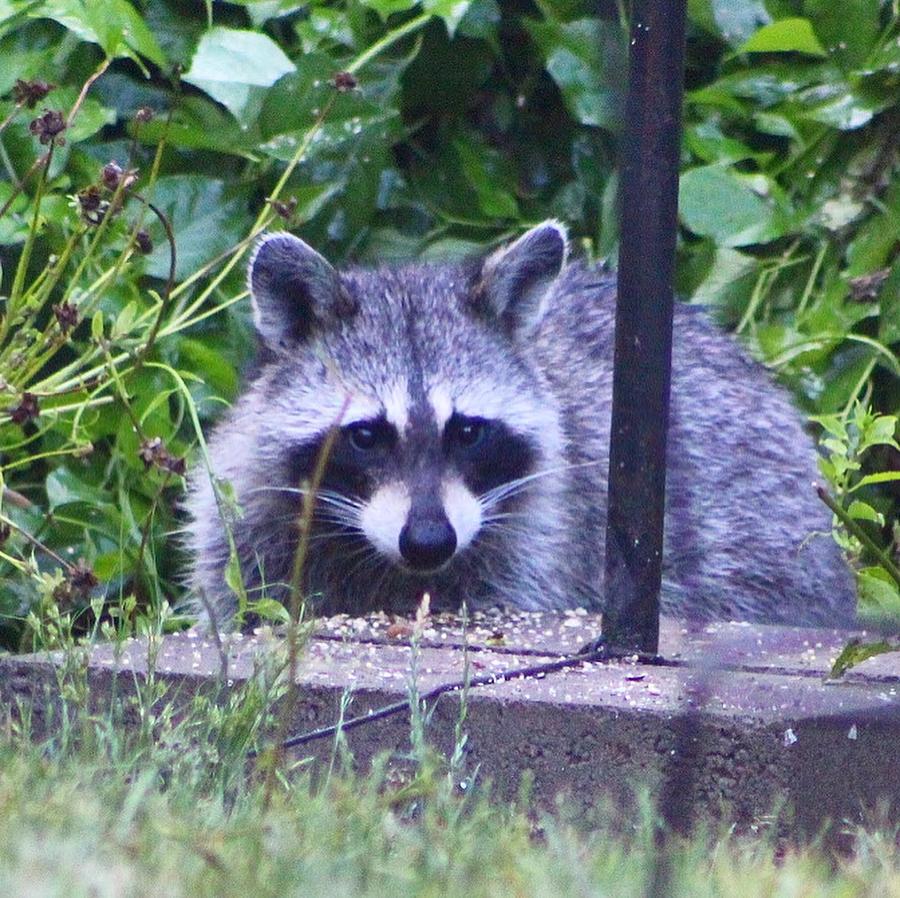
862 511
124 321
65 488
386 8
873 246
718 203
323 26
587 60
114 24
110 564
836 104
295 102
235 66
261 11
827 470
889 327
19 63
15 225
348 157
833 424
234 580
886 59
481 20
270 609
706 140
849 29
331 138
879 431
207 216
764 84
217 373
480 167
856 651
879 477
119 26
92 116
879 594
451 11
843 377
794 35
728 283
197 123
733 20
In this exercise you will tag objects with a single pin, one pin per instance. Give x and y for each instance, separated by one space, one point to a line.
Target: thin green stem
12 114
167 290
36 543
389 40
297 601
25 258
854 528
811 280
112 209
858 387
262 220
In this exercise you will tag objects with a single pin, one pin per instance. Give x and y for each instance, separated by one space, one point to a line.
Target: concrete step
739 716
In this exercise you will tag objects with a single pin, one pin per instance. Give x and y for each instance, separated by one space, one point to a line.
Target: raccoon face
417 381
432 487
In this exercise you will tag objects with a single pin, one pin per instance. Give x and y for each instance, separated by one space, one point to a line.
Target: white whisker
505 490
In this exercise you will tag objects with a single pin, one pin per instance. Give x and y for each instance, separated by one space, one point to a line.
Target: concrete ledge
739 716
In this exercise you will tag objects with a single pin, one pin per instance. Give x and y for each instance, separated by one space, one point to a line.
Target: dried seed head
82 578
153 452
149 451
66 316
30 93
144 114
26 410
91 204
48 126
143 242
90 199
866 287
175 464
112 175
284 208
344 82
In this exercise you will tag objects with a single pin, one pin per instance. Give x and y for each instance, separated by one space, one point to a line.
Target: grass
171 807
76 825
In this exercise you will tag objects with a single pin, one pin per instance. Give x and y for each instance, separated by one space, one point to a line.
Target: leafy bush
386 129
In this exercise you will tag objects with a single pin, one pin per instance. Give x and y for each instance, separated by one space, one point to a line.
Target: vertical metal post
643 345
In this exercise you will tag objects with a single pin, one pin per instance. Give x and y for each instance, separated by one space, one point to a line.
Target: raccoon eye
466 433
369 435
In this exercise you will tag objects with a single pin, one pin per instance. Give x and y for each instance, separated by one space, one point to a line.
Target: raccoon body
470 405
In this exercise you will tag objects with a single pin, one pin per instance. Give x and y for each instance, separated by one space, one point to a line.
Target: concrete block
738 717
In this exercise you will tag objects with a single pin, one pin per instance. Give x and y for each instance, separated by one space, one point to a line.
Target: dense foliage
382 129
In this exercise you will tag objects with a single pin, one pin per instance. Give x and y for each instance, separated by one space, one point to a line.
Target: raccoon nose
427 543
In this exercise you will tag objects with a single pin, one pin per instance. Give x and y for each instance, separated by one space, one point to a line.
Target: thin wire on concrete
595 652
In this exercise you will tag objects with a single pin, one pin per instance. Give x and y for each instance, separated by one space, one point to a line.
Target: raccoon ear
516 279
294 290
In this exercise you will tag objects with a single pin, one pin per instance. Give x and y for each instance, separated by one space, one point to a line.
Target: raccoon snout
427 543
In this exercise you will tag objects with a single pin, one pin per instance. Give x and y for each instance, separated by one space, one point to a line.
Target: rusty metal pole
643 346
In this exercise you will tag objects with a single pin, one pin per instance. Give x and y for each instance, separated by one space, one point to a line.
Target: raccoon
470 410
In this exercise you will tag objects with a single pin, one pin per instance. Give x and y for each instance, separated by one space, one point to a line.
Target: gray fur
534 341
